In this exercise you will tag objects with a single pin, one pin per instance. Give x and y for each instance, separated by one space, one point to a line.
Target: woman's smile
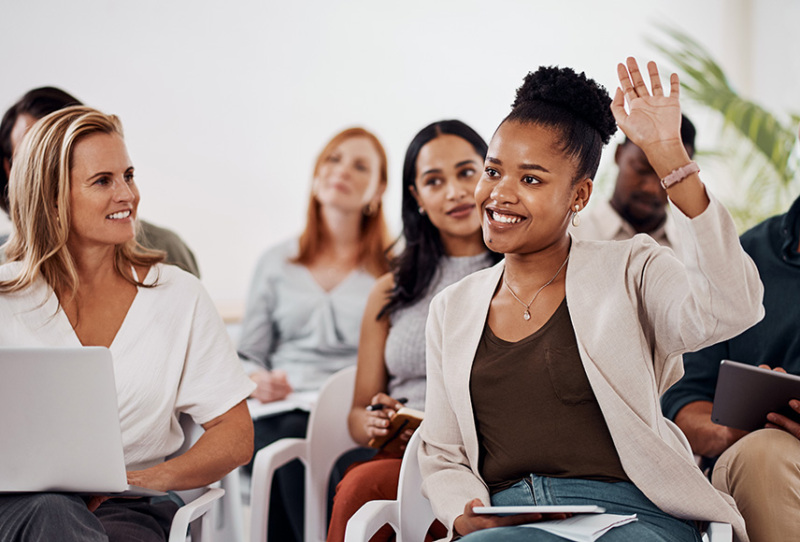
500 217
527 181
120 215
463 210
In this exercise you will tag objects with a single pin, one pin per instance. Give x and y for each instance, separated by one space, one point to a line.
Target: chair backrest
416 514
327 438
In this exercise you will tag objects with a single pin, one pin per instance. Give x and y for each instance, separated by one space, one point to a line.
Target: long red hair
375 238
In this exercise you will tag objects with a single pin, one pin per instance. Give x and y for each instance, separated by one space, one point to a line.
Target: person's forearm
706 438
357 422
688 195
220 449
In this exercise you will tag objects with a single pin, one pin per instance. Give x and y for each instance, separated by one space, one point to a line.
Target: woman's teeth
505 219
119 215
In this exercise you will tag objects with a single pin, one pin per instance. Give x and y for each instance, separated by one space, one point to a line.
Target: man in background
761 469
638 204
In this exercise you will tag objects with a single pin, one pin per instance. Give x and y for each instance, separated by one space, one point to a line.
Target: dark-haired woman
544 372
443 240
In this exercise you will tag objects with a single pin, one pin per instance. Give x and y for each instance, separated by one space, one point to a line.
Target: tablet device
539 509
745 394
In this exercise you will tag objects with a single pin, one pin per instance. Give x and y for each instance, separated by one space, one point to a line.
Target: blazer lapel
466 317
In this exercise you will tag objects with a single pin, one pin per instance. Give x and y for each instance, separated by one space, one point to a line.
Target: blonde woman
76 276
307 298
40 102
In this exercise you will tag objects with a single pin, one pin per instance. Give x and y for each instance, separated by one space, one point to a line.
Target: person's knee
759 449
45 506
61 515
368 481
481 536
510 534
758 460
364 474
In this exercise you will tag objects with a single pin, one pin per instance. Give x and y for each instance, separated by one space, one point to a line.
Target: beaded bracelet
679 174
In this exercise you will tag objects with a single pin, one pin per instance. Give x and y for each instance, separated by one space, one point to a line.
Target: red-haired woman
307 297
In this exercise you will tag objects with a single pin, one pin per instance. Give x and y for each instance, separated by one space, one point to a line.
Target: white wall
226 106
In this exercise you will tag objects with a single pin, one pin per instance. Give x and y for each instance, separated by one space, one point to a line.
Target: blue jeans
622 498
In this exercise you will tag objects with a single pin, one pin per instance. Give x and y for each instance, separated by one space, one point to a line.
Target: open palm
651 119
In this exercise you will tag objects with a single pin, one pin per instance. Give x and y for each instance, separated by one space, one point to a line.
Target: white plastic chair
194 515
327 438
410 515
718 532
211 514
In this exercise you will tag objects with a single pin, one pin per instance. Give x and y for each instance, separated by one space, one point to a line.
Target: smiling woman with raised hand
78 277
579 339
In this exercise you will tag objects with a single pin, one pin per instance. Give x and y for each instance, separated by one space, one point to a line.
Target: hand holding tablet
745 395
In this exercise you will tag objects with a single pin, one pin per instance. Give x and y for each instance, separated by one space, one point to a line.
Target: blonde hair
375 239
39 203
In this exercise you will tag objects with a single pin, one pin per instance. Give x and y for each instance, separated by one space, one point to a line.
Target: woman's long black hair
415 267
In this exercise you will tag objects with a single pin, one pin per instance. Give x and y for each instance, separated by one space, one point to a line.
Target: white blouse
171 355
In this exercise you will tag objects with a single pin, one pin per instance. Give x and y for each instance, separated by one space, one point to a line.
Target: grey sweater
405 345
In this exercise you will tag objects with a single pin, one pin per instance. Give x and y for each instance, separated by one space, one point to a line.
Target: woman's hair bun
571 91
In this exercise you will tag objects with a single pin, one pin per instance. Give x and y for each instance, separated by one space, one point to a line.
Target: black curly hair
572 104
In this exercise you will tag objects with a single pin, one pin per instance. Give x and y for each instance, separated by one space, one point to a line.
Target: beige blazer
635 308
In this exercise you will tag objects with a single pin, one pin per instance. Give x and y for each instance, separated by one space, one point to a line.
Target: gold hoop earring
576 218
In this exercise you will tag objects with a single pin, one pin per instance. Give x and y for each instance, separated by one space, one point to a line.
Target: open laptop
59 423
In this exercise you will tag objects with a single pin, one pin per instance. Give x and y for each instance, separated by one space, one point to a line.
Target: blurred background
226 105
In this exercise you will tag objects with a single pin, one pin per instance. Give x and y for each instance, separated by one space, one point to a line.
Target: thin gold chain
527 314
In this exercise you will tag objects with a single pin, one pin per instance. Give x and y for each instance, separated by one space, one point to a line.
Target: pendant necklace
527 314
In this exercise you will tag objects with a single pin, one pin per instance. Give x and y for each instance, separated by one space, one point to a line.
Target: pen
381 406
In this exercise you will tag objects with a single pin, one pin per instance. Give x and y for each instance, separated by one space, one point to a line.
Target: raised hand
653 123
652 119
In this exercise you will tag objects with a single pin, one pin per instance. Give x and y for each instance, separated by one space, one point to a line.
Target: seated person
638 204
544 372
77 276
307 298
443 245
34 105
761 470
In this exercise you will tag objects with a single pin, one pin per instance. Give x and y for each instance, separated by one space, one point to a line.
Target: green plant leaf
761 153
